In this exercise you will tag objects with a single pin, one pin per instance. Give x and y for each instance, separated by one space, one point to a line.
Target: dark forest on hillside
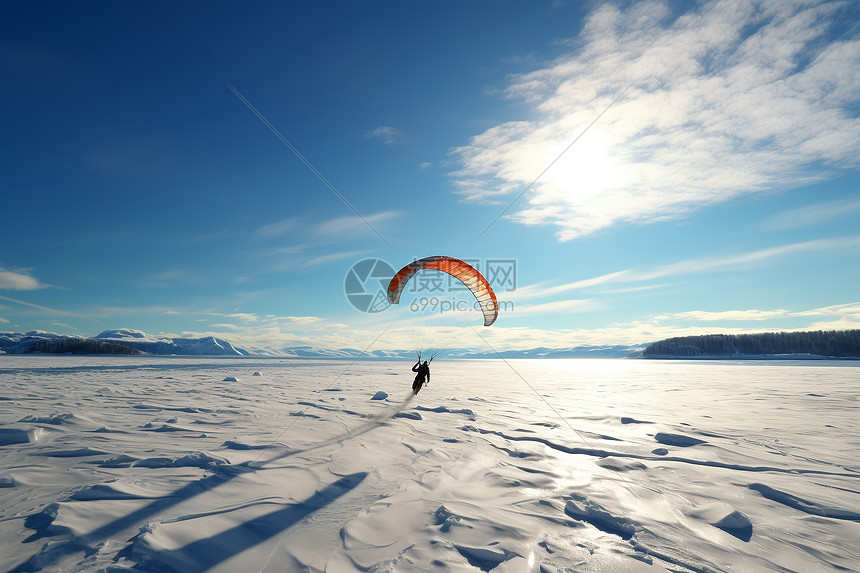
80 346
832 344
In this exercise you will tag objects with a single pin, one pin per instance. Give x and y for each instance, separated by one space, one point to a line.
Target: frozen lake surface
165 464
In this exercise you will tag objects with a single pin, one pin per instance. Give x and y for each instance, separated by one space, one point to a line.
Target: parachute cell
464 272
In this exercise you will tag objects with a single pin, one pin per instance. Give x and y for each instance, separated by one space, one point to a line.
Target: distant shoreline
809 345
266 357
776 357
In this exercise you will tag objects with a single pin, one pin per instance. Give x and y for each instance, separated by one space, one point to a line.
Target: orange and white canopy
466 273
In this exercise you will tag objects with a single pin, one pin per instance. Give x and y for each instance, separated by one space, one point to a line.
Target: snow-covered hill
209 345
18 343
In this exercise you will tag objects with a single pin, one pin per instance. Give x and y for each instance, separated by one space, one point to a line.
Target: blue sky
718 193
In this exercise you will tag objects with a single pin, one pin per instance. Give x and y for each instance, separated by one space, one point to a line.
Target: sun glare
586 170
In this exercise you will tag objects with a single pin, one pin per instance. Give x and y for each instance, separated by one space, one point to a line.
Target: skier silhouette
422 376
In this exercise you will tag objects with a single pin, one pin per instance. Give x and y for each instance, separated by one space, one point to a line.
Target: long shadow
204 554
372 423
50 554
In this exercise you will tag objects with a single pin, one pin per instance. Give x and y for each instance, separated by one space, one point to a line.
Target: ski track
154 465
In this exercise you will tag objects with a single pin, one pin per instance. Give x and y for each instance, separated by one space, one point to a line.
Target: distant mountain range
21 343
617 351
785 345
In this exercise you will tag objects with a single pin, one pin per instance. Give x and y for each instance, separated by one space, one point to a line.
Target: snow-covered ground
165 464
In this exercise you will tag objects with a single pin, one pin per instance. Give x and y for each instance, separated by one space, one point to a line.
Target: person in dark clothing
422 376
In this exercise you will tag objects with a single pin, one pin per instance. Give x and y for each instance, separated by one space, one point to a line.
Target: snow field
160 464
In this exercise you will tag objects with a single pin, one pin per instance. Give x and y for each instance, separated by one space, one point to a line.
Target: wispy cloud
276 332
743 260
36 306
331 257
703 315
812 214
850 310
389 135
726 99
559 307
314 235
348 227
304 321
110 311
301 243
253 318
733 262
277 228
542 290
176 275
19 280
226 325
634 289
171 278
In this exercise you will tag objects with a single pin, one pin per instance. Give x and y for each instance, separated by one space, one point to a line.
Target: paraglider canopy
464 272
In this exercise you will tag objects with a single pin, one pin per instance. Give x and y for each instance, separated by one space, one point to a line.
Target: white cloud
636 332
389 135
843 323
274 335
298 321
246 317
729 98
18 280
843 317
400 334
